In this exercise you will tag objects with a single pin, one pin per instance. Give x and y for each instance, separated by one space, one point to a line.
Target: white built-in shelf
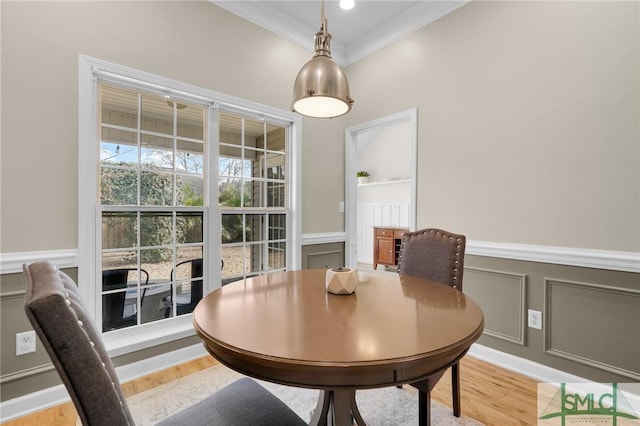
385 182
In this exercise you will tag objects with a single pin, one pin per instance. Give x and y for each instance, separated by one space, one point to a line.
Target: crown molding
259 13
418 16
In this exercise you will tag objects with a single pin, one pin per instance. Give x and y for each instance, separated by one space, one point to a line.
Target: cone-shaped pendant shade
321 89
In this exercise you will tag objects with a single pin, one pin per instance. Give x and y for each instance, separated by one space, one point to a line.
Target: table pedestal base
337 408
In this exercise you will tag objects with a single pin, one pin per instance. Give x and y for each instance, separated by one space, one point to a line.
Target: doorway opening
386 148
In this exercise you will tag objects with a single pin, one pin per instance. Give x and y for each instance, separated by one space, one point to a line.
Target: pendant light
321 89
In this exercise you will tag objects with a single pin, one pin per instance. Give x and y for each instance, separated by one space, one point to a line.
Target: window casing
165 154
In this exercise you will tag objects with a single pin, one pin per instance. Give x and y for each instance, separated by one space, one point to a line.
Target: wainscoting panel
14 320
502 297
601 329
588 328
370 215
320 256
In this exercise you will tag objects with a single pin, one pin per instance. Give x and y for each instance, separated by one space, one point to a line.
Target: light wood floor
490 394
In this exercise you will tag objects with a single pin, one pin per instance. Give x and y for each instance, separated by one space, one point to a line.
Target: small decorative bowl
341 280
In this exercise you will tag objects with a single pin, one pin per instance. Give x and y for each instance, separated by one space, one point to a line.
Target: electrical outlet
25 342
535 319
341 207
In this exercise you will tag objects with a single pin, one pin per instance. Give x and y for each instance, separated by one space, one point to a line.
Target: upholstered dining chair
75 346
436 255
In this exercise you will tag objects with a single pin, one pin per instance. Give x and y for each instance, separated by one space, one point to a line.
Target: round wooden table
285 328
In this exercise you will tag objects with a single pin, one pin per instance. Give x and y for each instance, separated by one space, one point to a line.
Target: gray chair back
433 254
55 309
436 255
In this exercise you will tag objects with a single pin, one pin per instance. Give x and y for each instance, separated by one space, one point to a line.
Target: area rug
383 407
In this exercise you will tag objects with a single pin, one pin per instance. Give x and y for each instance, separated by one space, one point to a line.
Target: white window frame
263 210
92 70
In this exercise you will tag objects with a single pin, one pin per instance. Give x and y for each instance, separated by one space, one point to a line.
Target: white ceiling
356 33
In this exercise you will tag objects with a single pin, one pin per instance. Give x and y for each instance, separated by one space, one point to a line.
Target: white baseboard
46 398
523 366
147 366
544 374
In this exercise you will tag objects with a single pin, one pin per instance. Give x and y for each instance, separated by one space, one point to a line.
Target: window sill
133 339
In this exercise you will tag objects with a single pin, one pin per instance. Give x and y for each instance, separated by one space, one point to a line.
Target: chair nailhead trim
455 278
93 345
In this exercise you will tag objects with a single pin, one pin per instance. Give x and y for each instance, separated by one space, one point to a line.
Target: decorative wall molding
11 263
323 238
12 295
573 353
6 378
520 280
326 255
587 258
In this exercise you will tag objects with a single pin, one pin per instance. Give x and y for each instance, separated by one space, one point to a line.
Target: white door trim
351 152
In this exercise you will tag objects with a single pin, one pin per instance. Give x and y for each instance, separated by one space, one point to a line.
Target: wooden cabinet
386 245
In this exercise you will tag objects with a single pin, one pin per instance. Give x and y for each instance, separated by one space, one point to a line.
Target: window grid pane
252 183
157 160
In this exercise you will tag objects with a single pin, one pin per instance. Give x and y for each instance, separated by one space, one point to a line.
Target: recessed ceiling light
347 4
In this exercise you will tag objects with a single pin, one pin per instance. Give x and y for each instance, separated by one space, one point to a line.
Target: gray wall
591 327
591 317
528 133
34 371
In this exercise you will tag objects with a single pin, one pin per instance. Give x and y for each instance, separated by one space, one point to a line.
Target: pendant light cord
323 20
